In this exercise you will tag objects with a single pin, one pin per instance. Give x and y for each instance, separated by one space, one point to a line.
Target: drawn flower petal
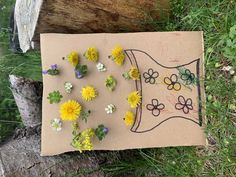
181 100
147 80
150 71
190 107
155 74
161 106
184 77
173 78
185 109
187 71
156 112
146 75
170 87
167 81
152 80
154 102
149 107
189 102
179 106
177 86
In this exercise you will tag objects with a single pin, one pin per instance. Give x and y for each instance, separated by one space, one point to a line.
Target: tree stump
20 155
63 16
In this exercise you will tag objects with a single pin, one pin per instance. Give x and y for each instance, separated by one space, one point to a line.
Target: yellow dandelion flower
134 73
118 55
70 110
88 93
129 118
134 99
73 58
91 54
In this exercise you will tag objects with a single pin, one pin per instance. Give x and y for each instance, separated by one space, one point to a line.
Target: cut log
63 16
20 155
28 97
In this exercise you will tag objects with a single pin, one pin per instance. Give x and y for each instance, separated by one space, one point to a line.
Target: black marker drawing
150 76
155 107
172 83
187 76
184 104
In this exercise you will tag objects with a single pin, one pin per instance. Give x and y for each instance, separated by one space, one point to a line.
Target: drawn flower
183 104
70 110
134 99
91 54
133 73
73 58
68 87
187 76
88 93
54 97
155 107
56 124
110 82
110 109
129 118
118 55
101 67
172 82
150 76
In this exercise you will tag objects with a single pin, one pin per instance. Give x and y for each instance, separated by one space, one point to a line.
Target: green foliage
217 19
54 97
101 131
9 118
228 43
82 140
80 71
110 83
84 115
53 72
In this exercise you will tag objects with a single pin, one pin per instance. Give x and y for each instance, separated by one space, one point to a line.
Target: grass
27 65
217 18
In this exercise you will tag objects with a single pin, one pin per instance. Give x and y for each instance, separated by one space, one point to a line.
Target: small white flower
228 69
101 67
68 87
110 109
56 124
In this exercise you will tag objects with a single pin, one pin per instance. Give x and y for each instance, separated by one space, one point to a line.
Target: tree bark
63 16
20 155
28 97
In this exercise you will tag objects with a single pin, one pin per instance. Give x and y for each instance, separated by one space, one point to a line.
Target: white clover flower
110 109
68 87
56 124
101 67
228 69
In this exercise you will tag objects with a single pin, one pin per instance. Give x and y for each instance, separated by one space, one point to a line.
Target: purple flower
54 67
45 72
105 130
78 74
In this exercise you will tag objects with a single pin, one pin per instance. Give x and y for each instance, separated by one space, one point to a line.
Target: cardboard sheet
181 120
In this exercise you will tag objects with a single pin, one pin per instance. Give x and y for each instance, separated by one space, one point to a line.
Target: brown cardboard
161 51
